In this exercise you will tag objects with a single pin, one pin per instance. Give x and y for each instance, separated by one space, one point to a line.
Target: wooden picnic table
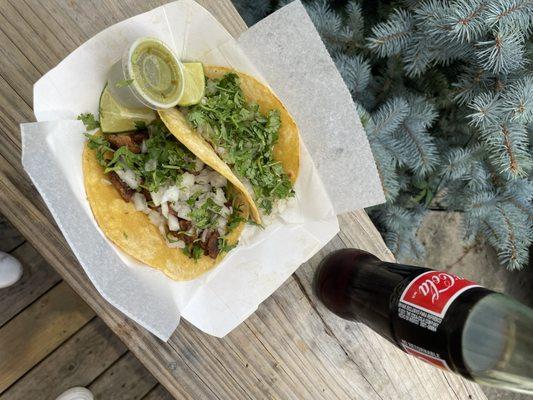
292 347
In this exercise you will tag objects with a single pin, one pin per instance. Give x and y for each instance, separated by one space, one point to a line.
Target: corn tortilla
286 150
132 232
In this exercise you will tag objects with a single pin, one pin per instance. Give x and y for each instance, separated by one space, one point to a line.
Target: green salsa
156 72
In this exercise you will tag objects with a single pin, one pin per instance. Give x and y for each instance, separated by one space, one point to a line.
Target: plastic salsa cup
149 74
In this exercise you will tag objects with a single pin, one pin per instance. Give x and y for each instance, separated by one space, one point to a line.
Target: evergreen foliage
444 89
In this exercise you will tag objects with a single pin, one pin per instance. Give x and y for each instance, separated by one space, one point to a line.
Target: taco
243 131
159 203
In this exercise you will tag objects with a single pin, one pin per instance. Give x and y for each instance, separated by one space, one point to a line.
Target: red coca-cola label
434 291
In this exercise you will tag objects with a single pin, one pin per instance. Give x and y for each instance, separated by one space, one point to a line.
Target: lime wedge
194 84
115 118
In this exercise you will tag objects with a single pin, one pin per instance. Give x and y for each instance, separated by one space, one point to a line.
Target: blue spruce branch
355 71
502 54
507 145
488 109
392 36
465 20
518 100
510 14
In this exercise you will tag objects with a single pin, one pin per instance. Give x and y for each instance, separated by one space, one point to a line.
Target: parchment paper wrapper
312 90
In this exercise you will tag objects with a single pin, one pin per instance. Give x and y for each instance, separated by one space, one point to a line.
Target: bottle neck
379 299
358 286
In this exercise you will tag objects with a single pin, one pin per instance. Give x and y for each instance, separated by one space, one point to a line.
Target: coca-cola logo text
436 285
433 291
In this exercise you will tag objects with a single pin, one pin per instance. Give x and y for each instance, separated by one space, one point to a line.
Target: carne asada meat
184 224
212 245
125 191
188 239
132 141
146 194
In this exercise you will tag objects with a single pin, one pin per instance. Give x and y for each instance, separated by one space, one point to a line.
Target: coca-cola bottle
447 321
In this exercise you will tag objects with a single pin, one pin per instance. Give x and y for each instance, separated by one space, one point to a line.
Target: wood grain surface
32 335
78 362
10 238
291 348
158 393
127 379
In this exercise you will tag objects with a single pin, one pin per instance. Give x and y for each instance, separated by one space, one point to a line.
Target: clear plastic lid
153 73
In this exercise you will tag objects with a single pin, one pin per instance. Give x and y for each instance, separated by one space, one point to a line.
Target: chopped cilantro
234 220
101 146
223 245
89 121
172 158
204 217
197 251
247 136
192 199
123 83
123 158
139 125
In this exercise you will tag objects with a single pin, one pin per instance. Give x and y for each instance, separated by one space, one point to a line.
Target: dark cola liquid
357 286
441 318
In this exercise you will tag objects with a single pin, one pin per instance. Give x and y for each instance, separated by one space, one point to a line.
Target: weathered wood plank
20 24
10 238
158 393
79 361
127 379
263 340
32 335
38 277
16 69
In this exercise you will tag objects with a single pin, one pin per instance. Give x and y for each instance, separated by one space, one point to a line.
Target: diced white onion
164 209
204 234
219 197
155 218
173 223
217 180
187 180
162 229
198 165
185 193
129 177
201 188
144 147
139 202
150 165
158 196
203 177
172 194
183 210
221 226
105 182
